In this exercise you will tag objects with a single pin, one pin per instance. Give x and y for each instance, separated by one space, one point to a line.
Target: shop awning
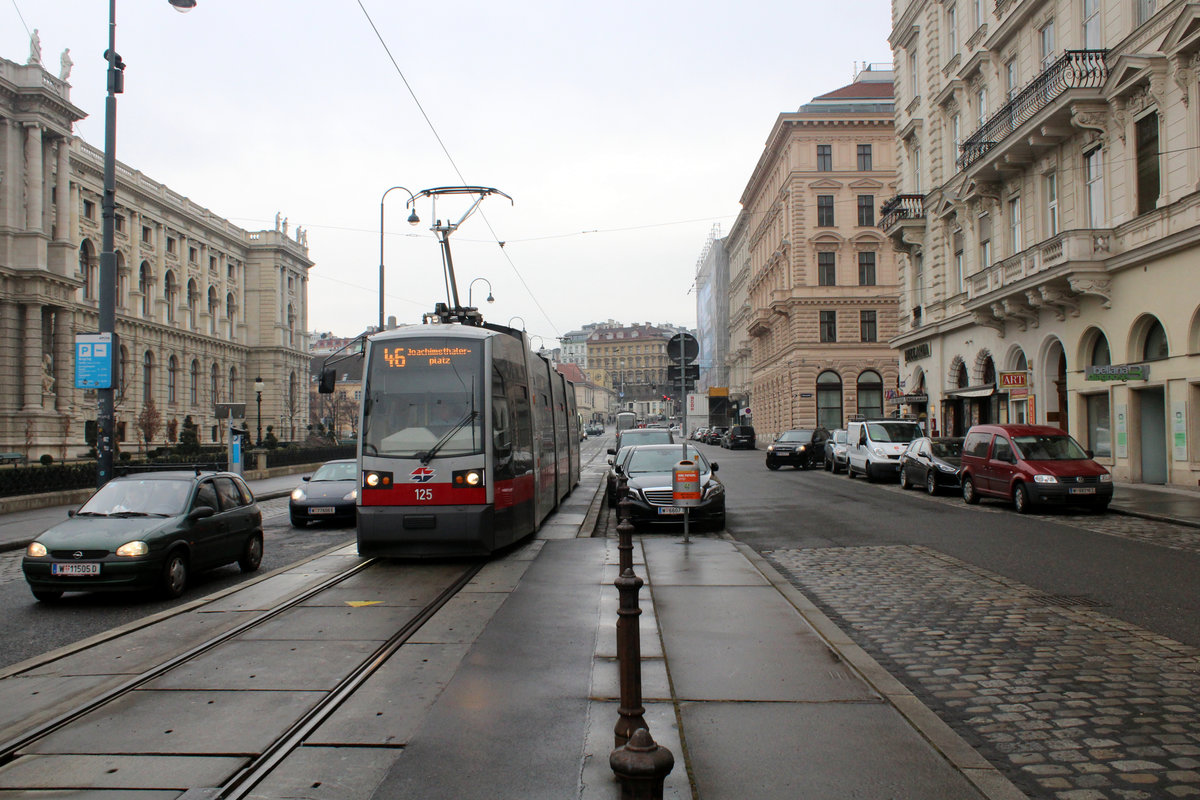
982 390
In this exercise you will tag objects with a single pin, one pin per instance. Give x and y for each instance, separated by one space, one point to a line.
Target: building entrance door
1152 435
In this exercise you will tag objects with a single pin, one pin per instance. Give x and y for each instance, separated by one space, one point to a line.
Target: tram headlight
467 478
375 479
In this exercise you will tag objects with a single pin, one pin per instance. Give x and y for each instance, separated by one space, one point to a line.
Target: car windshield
154 496
897 432
803 437
839 437
645 460
946 448
1049 448
345 471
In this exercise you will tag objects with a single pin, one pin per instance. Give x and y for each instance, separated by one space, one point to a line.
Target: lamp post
510 319
490 299
413 219
258 390
108 256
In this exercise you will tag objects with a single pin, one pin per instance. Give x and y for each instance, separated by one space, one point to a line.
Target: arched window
231 313
233 384
170 294
122 281
87 270
989 371
1101 356
193 297
194 387
148 377
1156 343
870 394
172 379
121 384
214 383
829 400
145 286
213 306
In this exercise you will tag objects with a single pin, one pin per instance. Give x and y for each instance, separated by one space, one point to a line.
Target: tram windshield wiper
428 455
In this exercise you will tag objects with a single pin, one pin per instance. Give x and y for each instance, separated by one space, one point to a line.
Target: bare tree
149 422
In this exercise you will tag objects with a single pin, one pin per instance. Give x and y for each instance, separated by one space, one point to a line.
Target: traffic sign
683 348
691 372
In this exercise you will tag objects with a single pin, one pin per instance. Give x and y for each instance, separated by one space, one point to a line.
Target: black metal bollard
641 767
629 645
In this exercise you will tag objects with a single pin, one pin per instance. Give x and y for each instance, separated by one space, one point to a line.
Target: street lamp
108 257
510 319
490 299
258 390
413 219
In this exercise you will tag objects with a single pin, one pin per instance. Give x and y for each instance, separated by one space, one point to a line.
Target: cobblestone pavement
1069 703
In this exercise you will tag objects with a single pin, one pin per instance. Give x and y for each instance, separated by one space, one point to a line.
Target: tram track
256 765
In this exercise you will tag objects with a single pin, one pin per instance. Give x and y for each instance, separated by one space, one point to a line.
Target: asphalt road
29 628
1103 559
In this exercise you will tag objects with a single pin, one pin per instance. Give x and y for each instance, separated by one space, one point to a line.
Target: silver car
836 459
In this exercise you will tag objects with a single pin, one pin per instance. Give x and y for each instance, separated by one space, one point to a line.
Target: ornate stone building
818 278
631 360
203 307
1050 221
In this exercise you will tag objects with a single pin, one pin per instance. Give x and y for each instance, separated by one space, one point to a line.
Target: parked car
932 463
714 434
595 429
650 472
1031 465
148 530
330 493
641 436
801 448
699 434
614 463
737 437
873 446
835 451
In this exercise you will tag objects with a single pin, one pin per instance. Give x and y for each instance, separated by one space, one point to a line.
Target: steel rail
11 748
241 784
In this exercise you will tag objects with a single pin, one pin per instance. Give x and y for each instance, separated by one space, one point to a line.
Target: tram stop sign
682 348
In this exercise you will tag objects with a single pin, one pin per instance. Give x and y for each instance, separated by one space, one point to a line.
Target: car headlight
714 489
352 495
802 448
1106 477
878 451
132 549
946 468
298 494
1045 479
36 550
770 448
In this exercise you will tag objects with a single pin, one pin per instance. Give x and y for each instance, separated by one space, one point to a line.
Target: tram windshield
423 398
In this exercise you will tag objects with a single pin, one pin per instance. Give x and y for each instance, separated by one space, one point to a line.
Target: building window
866 326
1099 425
958 260
148 377
955 136
985 240
1144 10
914 69
1156 343
146 235
825 210
870 394
1052 204
981 101
214 381
170 244
866 268
976 14
194 385
824 158
118 223
951 31
1014 225
826 269
145 286
1147 163
828 326
1010 79
1091 24
866 210
89 209
1046 44
918 262
829 400
1093 165
864 158
172 378
193 255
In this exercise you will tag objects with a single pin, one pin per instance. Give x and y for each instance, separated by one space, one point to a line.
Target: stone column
62 192
34 174
32 344
64 358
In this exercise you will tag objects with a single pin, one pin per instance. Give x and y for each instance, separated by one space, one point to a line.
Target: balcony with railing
1085 70
904 213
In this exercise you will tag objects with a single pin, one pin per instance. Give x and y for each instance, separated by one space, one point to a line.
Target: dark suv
737 437
800 448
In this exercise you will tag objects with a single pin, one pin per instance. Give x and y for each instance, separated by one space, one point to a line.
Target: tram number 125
424 494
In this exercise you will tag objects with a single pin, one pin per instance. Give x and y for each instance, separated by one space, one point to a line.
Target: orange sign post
685 490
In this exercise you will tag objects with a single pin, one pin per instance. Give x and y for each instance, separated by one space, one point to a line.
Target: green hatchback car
148 530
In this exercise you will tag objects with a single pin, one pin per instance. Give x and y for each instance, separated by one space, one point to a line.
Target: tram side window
501 429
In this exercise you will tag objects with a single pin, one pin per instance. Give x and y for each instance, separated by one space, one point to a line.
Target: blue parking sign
94 354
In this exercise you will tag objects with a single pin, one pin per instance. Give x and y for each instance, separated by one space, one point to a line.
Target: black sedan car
330 493
931 463
800 448
614 463
148 530
650 470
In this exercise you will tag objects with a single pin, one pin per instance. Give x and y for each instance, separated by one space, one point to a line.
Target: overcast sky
624 131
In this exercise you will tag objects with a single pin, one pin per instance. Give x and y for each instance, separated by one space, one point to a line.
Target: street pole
413 219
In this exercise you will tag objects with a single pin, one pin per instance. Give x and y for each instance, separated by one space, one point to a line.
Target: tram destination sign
398 357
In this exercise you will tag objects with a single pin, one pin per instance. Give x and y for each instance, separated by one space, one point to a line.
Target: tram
467 439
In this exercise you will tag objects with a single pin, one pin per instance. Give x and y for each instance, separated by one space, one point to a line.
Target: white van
873 446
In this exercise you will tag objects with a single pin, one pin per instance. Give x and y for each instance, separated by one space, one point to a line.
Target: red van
1031 465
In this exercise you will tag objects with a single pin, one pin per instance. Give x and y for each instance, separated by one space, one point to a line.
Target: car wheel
298 523
46 595
252 553
905 483
772 467
174 574
968 491
1021 499
850 471
931 482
